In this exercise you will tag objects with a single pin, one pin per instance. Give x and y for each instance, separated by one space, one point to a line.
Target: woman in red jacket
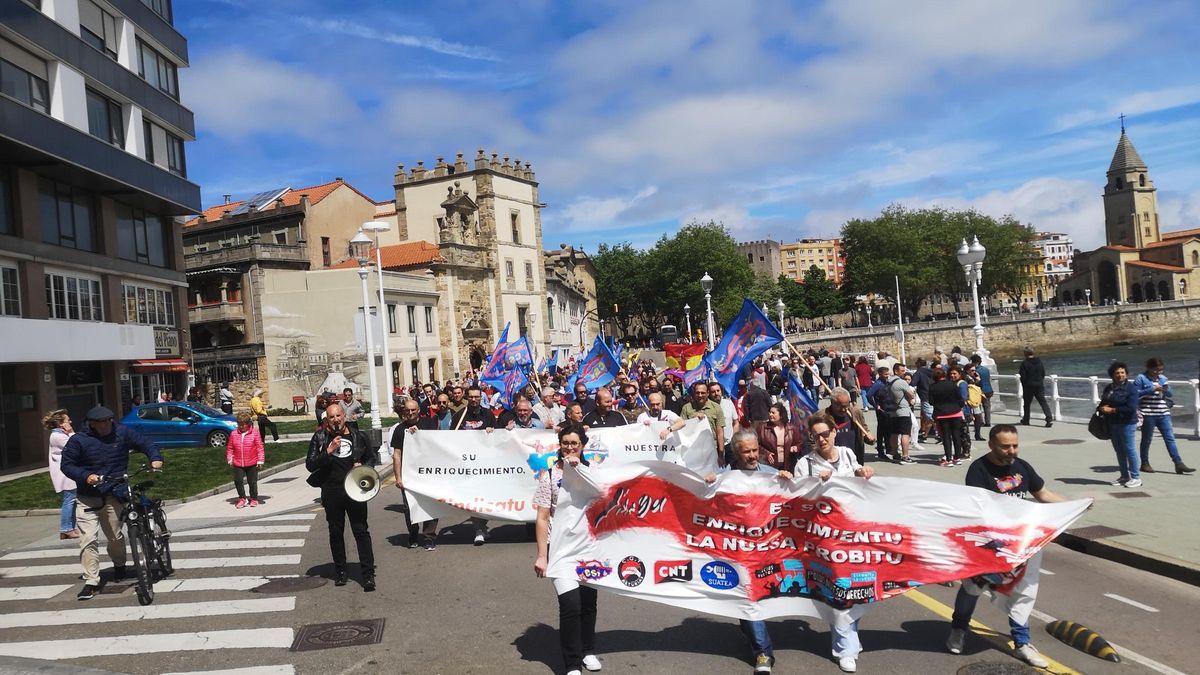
779 443
245 454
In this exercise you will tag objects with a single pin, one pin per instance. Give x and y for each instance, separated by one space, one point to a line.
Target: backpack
974 395
885 398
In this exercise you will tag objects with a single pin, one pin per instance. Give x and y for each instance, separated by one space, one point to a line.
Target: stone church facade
1139 262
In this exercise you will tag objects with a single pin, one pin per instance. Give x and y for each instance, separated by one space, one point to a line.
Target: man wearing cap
102 450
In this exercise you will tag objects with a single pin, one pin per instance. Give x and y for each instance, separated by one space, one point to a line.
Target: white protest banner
494 474
754 546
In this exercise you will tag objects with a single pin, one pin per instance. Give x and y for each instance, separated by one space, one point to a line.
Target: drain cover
1096 532
284 480
1127 495
996 668
339 634
1063 441
290 585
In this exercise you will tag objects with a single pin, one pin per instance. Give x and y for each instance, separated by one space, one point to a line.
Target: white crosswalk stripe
219 545
250 554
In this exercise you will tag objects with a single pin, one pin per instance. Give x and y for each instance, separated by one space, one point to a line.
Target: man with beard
603 415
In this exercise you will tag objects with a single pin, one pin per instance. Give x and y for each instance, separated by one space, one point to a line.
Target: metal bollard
1196 404
1095 389
1054 395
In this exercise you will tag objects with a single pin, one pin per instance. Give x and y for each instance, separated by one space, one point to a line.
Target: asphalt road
463 609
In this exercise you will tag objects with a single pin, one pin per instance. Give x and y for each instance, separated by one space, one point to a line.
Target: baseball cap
99 414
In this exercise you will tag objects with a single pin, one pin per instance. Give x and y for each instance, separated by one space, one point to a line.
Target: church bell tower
1130 199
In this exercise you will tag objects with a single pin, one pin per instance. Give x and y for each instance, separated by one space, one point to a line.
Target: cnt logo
592 570
631 571
719 575
672 570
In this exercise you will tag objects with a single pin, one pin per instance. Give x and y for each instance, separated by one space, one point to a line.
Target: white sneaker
1120 482
590 662
1135 482
574 672
1029 654
848 664
954 643
479 541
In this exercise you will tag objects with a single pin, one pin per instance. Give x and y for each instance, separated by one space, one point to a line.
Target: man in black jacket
1032 375
411 421
333 451
103 450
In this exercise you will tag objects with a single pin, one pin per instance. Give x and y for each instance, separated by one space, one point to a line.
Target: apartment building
93 173
797 257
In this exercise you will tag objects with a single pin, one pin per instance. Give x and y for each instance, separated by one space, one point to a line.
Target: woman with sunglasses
826 461
576 603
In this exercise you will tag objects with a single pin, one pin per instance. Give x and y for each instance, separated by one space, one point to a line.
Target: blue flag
750 334
494 370
513 382
698 374
518 354
552 364
799 400
596 369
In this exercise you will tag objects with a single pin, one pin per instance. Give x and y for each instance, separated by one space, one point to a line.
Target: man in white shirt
657 413
548 410
728 410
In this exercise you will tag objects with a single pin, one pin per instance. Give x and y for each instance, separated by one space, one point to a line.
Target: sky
779 120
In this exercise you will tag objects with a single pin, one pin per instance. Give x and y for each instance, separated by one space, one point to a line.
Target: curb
224 487
1131 557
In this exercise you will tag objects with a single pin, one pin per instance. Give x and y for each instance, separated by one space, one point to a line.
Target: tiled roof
290 198
1158 266
1182 234
1126 157
408 255
1118 247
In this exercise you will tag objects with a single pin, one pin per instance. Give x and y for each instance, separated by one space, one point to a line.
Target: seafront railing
1074 399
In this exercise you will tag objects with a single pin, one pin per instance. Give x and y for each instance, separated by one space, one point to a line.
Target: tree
919 247
618 270
821 296
676 264
792 293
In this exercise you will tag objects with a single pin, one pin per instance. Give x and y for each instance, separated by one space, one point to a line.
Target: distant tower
1130 199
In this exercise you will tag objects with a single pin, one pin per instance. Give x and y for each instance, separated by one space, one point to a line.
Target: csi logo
672 570
592 570
631 571
719 575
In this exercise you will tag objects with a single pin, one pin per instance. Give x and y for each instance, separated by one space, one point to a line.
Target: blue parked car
181 424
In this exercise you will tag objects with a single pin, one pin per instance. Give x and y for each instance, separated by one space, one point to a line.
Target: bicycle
147 532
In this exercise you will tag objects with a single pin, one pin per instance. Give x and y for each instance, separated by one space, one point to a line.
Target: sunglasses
822 434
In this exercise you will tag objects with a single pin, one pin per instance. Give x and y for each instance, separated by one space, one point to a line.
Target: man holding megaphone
334 450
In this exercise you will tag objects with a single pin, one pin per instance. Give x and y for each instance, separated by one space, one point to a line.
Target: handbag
1098 425
317 478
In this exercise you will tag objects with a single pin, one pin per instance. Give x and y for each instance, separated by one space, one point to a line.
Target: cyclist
102 450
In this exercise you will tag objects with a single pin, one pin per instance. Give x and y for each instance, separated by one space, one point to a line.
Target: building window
150 306
429 320
1142 182
105 120
141 237
24 77
432 370
508 269
412 319
529 271
391 313
1195 258
550 313
157 70
750 258
164 148
326 258
515 220
66 215
281 237
10 292
416 375
74 298
98 28
160 7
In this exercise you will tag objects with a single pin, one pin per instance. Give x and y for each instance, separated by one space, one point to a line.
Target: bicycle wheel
162 543
139 555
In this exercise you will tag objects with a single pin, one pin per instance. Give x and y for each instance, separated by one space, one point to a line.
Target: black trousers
265 423
951 429
1028 394
426 530
577 625
250 475
338 507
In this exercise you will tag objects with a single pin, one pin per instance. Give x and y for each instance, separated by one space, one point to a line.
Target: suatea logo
592 570
719 575
672 570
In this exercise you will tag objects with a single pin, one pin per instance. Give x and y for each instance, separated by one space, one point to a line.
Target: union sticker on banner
754 546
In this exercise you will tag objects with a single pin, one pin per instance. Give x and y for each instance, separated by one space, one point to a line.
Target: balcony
216 311
296 254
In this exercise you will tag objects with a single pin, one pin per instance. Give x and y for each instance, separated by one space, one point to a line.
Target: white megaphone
362 483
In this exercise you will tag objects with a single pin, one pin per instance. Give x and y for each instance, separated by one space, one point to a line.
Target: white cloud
911 166
589 212
1137 103
236 94
276 331
432 44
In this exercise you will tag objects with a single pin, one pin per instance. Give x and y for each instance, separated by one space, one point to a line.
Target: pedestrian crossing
37 601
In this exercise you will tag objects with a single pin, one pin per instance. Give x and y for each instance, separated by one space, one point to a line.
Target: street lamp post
531 319
971 258
360 248
1182 289
869 326
375 227
1088 293
706 283
780 307
687 313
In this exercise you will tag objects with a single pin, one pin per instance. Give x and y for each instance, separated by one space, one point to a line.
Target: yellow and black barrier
1084 639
